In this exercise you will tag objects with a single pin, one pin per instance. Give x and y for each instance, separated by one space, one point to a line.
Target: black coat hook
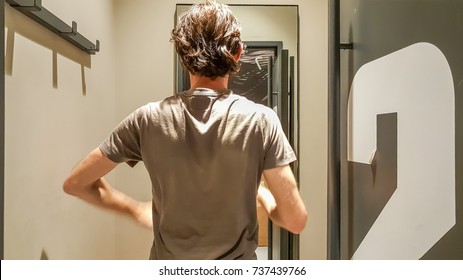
346 46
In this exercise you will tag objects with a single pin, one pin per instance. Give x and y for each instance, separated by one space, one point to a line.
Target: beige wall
56 112
313 122
50 124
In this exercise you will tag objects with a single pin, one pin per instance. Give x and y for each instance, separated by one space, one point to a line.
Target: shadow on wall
44 255
17 23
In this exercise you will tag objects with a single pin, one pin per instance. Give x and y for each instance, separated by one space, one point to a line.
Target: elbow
298 225
70 187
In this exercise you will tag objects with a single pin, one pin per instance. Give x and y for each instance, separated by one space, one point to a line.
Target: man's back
205 153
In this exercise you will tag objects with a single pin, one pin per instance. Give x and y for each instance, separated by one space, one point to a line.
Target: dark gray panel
380 27
372 185
335 163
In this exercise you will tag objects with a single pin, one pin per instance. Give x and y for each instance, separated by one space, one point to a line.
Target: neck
217 84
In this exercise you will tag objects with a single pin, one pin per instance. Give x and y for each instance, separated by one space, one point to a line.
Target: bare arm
282 200
86 182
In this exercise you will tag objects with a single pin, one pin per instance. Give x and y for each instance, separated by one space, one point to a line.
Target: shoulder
245 105
155 108
265 115
161 104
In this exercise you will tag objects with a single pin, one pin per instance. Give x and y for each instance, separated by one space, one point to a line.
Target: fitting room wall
145 71
56 112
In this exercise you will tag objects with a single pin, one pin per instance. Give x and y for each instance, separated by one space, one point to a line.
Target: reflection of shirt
205 153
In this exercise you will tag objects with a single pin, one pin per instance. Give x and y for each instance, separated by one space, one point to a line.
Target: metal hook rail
34 10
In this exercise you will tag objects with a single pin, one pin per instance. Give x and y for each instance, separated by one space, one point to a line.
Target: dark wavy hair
206 38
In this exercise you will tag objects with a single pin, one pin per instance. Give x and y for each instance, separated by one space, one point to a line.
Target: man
205 150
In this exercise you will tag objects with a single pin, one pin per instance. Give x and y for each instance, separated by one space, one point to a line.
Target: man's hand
266 199
87 183
286 209
144 214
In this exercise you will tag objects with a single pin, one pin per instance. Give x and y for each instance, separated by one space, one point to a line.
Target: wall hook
73 31
96 49
34 5
346 46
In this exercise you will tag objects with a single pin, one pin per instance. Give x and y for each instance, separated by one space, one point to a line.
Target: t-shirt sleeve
278 151
123 144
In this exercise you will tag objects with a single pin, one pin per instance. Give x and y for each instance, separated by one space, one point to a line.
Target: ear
237 55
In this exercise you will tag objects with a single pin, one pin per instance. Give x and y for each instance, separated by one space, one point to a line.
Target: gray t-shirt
205 152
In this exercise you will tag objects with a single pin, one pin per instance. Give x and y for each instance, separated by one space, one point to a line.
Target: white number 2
416 83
